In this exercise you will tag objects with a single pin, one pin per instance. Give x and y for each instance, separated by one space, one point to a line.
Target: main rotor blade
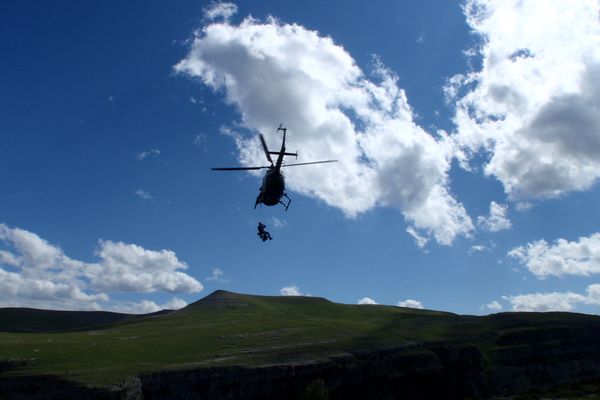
307 163
265 148
238 168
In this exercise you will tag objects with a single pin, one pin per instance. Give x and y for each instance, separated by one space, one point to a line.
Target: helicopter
272 189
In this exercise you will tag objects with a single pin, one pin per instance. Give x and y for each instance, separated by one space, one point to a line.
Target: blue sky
467 132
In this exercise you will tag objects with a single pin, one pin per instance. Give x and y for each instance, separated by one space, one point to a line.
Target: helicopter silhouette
272 189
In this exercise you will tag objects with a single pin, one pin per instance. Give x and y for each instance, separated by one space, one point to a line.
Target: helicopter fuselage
272 188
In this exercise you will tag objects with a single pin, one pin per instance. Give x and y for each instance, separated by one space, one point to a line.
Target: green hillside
234 329
21 320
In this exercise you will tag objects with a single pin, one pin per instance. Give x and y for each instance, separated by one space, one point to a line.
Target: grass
233 329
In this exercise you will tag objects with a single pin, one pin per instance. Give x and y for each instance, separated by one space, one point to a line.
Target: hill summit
222 298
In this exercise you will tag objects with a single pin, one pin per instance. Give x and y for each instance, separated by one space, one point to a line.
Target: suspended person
264 235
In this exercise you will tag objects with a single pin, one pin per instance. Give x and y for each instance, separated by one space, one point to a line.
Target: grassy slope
227 328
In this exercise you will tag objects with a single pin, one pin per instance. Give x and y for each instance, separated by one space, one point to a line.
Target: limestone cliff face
415 372
518 363
543 357
408 372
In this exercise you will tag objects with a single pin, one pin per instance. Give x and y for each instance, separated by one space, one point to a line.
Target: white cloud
174 304
497 219
367 300
141 307
278 223
580 257
145 154
593 294
421 241
145 306
275 72
8 258
47 278
410 304
523 206
35 251
292 290
142 194
220 11
533 106
217 273
545 301
131 268
477 248
494 305
23 290
554 301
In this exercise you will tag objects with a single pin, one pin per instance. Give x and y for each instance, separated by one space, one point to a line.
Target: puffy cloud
367 300
217 273
46 278
34 251
554 301
545 301
494 306
20 290
580 257
497 219
410 304
220 10
286 72
593 294
145 154
291 291
131 268
533 106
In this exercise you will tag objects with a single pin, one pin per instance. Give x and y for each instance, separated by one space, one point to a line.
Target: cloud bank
581 257
554 301
35 273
